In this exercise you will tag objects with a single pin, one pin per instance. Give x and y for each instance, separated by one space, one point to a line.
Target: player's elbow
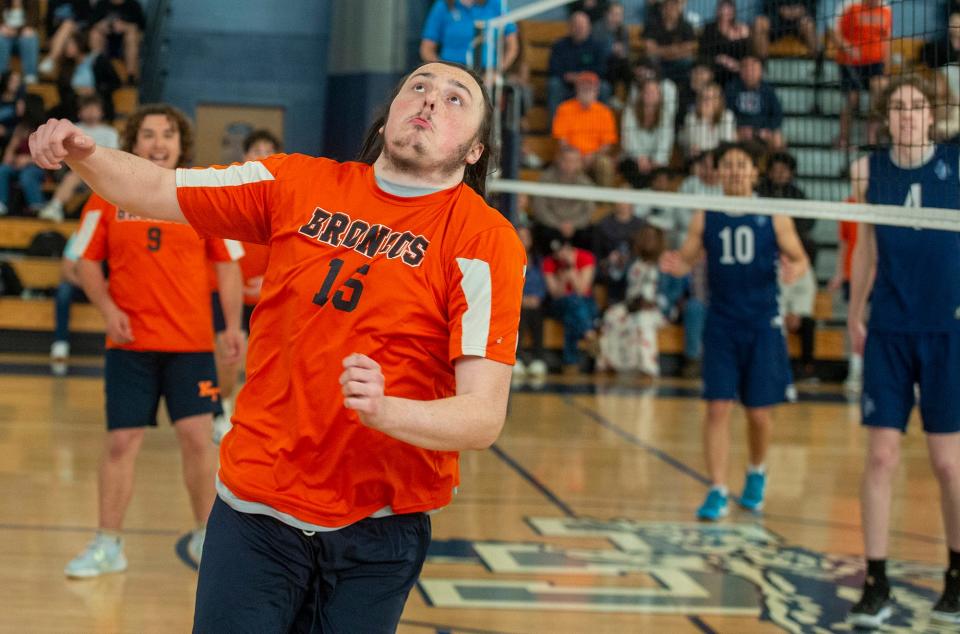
487 431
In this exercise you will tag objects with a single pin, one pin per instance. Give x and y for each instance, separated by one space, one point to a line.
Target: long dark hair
474 175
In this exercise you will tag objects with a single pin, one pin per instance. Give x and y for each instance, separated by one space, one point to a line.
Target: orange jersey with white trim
414 283
866 33
158 276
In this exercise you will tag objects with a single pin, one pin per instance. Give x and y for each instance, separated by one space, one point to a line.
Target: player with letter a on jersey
382 346
912 277
159 335
744 351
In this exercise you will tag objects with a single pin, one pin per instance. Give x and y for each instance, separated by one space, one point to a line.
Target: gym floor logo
697 569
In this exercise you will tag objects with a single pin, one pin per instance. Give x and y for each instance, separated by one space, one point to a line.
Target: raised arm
130 182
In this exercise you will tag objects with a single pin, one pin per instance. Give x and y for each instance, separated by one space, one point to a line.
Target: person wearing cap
589 126
570 55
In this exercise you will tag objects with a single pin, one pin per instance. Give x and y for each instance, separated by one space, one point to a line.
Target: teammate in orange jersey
381 346
159 336
259 144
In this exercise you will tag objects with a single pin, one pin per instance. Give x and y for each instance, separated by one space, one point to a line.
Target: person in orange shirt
253 264
159 336
588 125
861 34
382 346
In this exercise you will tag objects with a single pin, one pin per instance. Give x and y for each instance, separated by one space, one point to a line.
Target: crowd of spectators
83 40
643 108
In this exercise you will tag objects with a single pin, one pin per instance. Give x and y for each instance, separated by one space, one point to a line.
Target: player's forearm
230 287
862 270
94 286
457 423
132 183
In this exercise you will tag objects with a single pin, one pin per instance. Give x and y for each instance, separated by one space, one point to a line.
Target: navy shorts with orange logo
135 381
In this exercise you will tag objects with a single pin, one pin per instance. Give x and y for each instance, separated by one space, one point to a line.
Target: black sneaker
874 607
947 609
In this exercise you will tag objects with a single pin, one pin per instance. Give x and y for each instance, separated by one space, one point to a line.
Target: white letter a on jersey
914 196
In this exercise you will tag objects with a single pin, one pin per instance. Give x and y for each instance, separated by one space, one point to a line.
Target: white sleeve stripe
245 174
477 289
85 234
235 249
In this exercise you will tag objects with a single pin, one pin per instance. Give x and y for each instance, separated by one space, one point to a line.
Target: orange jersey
848 235
413 283
253 265
865 32
158 276
587 129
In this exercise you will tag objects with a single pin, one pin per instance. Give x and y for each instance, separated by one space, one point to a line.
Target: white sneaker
46 66
519 370
3 209
52 211
29 79
195 546
60 351
537 368
221 426
103 555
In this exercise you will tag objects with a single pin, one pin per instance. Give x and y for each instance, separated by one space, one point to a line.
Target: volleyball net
807 83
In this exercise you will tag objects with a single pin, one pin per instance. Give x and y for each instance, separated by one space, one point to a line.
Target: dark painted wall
253 52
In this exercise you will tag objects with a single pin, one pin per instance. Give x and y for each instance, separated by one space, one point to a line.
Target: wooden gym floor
579 519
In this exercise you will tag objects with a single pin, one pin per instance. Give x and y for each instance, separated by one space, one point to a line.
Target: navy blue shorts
219 323
857 78
894 362
258 574
745 363
136 380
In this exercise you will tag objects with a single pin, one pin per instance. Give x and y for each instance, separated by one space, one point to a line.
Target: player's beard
417 165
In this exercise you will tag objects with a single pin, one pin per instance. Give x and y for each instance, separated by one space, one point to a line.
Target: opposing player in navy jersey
744 350
914 334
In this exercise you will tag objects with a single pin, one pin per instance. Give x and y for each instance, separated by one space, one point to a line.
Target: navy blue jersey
917 288
742 256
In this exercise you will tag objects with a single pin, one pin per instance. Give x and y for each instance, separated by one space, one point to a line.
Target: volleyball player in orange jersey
253 264
159 337
382 346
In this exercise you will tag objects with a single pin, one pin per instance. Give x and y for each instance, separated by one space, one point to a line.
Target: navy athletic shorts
745 362
136 380
258 574
894 362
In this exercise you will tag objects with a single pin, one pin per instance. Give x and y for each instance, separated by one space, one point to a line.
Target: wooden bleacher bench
17 233
542 32
37 315
36 273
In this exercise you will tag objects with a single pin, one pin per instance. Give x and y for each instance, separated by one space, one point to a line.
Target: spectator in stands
862 36
673 42
709 124
613 237
562 217
121 24
797 299
569 273
943 56
570 56
21 19
646 135
530 358
612 34
12 104
85 70
755 105
786 17
450 33
68 292
18 163
628 339
589 126
648 69
724 42
595 9
64 18
91 122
